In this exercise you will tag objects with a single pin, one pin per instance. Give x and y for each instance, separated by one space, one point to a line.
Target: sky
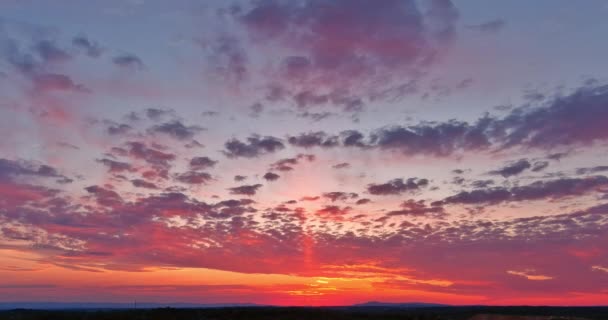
305 152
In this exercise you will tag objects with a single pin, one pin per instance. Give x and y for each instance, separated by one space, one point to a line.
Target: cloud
540 166
595 169
91 48
482 183
342 165
270 176
340 196
363 201
104 196
315 116
417 209
201 163
176 130
14 169
287 164
194 177
152 156
325 51
513 168
140 183
333 211
128 61
253 147
442 139
157 114
571 120
529 274
314 139
547 190
38 64
116 166
256 109
247 190
50 52
397 186
119 129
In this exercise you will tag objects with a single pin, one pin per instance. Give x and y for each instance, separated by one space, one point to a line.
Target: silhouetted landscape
325 313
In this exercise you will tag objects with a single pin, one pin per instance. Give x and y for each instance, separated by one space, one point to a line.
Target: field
302 313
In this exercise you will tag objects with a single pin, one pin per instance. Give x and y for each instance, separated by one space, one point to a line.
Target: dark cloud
247 190
157 114
575 119
115 166
270 176
557 156
595 169
201 163
352 138
315 116
540 166
458 180
363 201
239 178
194 177
104 196
193 144
442 139
513 168
305 99
254 147
569 120
119 129
287 164
417 209
91 48
50 52
128 61
11 169
332 211
140 183
482 183
314 139
538 190
397 186
340 196
152 156
342 165
176 130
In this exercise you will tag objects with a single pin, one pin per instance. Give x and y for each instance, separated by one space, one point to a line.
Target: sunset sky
305 152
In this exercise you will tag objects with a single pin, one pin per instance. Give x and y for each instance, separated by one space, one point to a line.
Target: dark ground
301 313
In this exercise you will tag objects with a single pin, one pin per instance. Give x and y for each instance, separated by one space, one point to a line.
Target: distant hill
410 305
110 305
